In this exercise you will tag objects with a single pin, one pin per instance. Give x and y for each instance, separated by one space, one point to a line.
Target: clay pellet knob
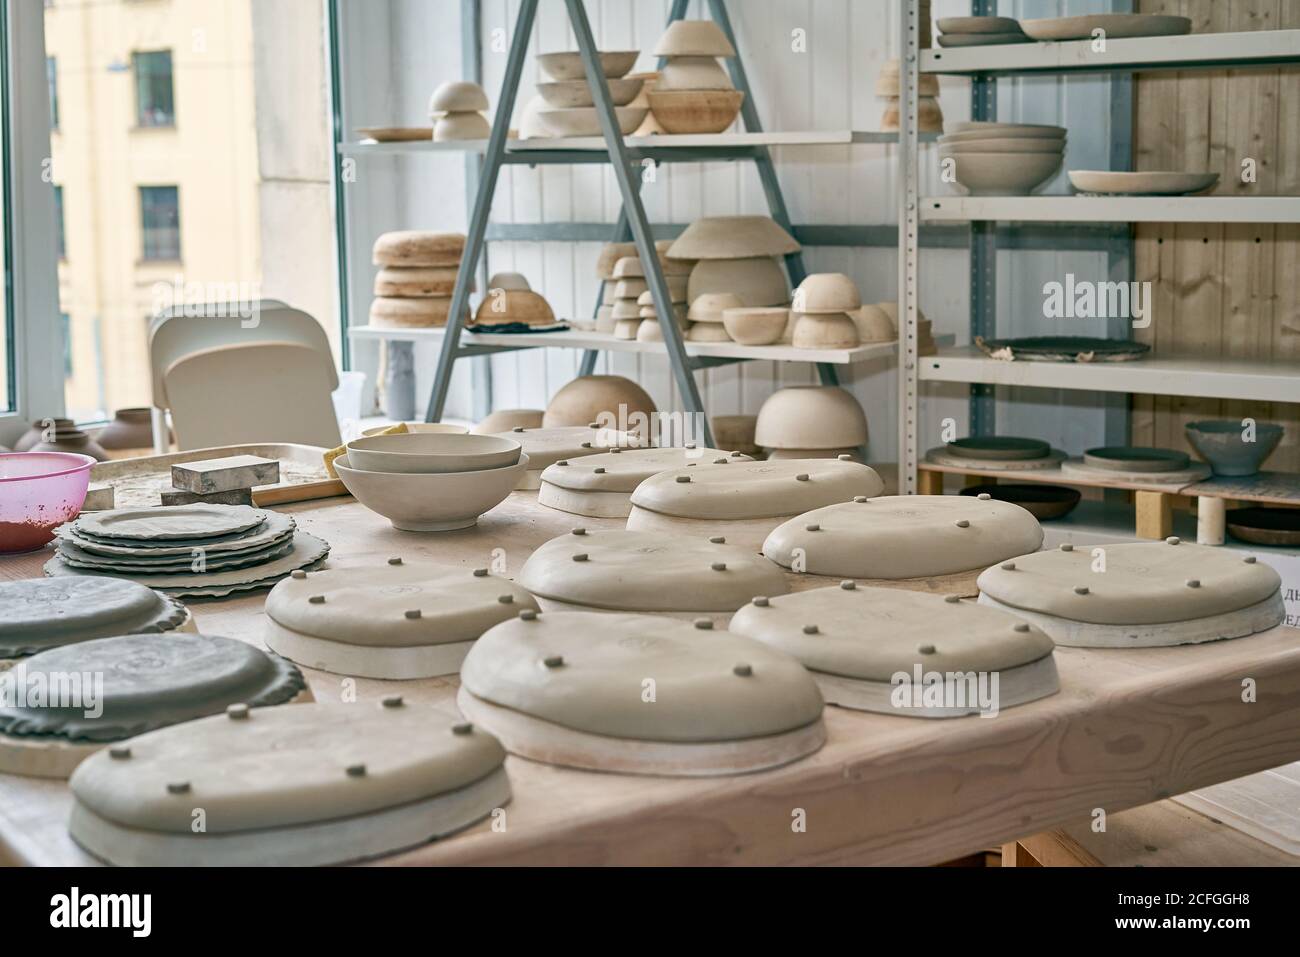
517 428
480 573
394 561
761 601
1067 547
356 770
810 629
1249 559
718 540
962 523
1081 589
743 670
984 496
719 461
1020 626
298 573
1173 540
178 787
814 527
462 727
719 566
683 479
1008 566
579 531
237 712
848 585
580 557
952 599
615 450
562 462
392 701
736 454
119 752
528 614
599 470
802 477
412 614
689 445
554 661
844 457
505 599
317 599
704 624
926 649
1193 583
593 425
586 445
860 499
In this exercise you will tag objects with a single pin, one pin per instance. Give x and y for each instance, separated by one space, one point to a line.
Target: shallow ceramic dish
992 128
1022 144
1265 526
1000 174
445 428
1115 25
1142 184
1063 349
756 325
695 111
978 25
432 453
585 121
1222 444
1121 458
435 502
568 66
999 447
1044 502
567 94
955 40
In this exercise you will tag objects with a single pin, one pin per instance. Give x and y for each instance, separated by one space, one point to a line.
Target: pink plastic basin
39 491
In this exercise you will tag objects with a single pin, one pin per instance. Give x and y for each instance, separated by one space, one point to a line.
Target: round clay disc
1125 458
904 536
873 633
280 767
625 570
589 672
395 605
276 529
1143 583
999 447
41 613
625 469
167 522
549 445
147 682
740 490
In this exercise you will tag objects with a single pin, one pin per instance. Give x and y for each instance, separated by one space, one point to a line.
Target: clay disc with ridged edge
41 613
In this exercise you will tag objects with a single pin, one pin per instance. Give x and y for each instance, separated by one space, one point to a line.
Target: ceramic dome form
856 641
308 785
732 237
835 330
1151 594
509 306
811 417
458 96
602 485
693 73
826 293
709 306
694 38
609 400
754 280
509 281
569 689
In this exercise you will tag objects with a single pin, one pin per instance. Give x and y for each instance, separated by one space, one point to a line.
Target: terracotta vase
130 429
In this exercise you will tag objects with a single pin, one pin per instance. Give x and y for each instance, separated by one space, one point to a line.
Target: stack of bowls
569 107
1002 159
457 109
693 93
431 481
980 31
929 115
823 308
39 491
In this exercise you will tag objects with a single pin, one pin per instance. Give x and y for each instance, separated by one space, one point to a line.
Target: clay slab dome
41 613
514 305
694 38
811 417
755 281
825 293
458 96
732 237
610 400
503 420
602 485
694 73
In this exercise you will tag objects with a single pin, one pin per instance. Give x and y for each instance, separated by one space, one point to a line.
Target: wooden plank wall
1222 290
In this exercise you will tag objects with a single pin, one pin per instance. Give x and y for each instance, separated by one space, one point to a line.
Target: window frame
136 57
141 190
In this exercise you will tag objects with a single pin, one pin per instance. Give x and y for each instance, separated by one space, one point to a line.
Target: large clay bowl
826 293
432 452
433 502
1011 144
993 128
1221 443
757 325
566 94
1044 502
1004 174
694 73
811 417
568 66
695 111
585 121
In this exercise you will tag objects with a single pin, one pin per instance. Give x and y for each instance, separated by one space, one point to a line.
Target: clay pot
755 281
733 237
130 429
694 38
34 435
695 111
826 293
811 417
752 326
834 331
607 399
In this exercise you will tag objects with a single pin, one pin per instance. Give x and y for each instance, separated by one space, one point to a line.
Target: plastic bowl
39 491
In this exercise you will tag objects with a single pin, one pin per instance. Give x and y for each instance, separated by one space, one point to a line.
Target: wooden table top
1127 728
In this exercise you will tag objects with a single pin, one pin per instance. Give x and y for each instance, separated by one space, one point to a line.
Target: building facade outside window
154 99
160 223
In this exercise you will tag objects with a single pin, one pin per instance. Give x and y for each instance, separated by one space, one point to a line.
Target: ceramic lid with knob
41 613
733 237
741 490
904 536
622 470
546 446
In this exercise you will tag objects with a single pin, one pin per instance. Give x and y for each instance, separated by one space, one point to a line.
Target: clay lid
150 681
694 38
546 446
41 613
279 767
732 237
709 685
872 633
514 305
825 293
623 471
648 571
755 489
405 605
811 417
458 96
905 536
1144 583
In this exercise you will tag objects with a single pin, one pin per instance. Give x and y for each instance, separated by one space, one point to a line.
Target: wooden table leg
1155 515
1211 520
929 483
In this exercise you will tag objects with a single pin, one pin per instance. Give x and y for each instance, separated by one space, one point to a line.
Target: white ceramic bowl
444 428
1004 174
566 94
584 120
568 66
756 326
432 452
434 502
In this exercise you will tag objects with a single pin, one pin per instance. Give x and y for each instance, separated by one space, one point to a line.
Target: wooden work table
1126 729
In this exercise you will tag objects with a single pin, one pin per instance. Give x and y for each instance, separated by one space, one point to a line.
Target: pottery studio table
1127 728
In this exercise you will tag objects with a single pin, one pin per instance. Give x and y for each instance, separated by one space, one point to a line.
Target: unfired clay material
547 446
39 613
754 281
418 248
601 485
811 417
170 522
599 398
732 237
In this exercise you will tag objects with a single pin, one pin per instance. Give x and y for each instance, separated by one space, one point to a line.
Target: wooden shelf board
1112 209
1054 477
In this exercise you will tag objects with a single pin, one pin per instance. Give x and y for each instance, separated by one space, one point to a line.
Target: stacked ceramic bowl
569 109
431 482
811 422
1002 159
980 31
929 116
511 306
694 93
457 109
824 305
416 278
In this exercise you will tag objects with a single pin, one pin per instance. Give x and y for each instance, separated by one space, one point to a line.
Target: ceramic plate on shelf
1117 26
1062 349
950 40
1142 184
1265 526
396 134
1124 458
978 25
999 447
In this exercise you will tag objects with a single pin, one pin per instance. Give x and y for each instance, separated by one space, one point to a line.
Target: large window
160 223
154 103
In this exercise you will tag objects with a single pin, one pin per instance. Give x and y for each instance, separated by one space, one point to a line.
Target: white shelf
575 339
665 141
1211 51
364 147
1112 209
1212 378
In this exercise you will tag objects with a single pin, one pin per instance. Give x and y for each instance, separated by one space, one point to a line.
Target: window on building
154 103
60 244
52 77
160 223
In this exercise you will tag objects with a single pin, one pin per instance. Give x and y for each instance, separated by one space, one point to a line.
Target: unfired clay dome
602 485
826 292
754 280
611 400
41 613
811 417
548 445
732 237
694 38
503 420
514 305
413 247
458 96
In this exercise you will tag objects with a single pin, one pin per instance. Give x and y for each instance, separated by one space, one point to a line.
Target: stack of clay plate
457 109
37 614
601 485
313 784
630 287
648 573
1113 26
632 279
744 501
391 619
609 401
568 84
128 685
980 31
997 453
416 279
811 422
876 649
1138 594
511 306
650 330
639 694
545 446
201 551
431 482
929 116
1137 465
1002 159
1098 182
736 255
822 306
924 542
694 93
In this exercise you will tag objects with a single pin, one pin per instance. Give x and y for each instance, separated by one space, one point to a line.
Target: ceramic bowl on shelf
458 96
1003 174
585 121
568 66
434 501
461 126
432 452
567 94
1105 182
694 38
733 237
603 399
811 417
825 293
993 128
1223 443
835 330
874 324
1044 502
695 111
710 306
694 73
756 325
39 491
754 280
1010 144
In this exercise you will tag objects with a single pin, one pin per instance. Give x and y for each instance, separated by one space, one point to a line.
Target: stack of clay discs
1137 465
929 115
822 306
639 694
744 501
648 572
309 785
624 282
416 279
738 255
394 619
1138 594
111 689
997 453
546 446
875 649
650 330
601 485
938 542
811 422
37 614
511 306
457 109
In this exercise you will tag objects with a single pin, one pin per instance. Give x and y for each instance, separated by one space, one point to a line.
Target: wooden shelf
1112 209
